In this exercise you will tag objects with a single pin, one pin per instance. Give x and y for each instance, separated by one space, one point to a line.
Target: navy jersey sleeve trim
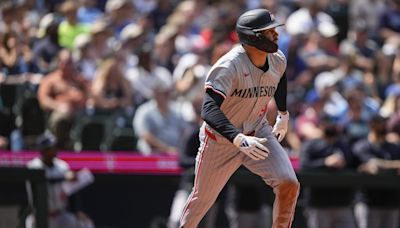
216 91
213 116
281 94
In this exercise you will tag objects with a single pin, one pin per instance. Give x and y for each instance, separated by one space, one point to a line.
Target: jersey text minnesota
257 91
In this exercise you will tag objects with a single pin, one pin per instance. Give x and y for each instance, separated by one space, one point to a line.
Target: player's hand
281 126
251 146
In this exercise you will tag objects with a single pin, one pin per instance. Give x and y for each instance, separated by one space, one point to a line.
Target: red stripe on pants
195 180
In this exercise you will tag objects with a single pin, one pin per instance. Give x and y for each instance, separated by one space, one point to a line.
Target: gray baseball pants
218 159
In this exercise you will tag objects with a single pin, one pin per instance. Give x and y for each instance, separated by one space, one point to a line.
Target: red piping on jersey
219 92
210 134
195 180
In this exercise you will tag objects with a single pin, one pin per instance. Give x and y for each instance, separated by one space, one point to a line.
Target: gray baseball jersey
242 84
247 91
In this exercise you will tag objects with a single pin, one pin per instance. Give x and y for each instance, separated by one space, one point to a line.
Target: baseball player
57 172
235 132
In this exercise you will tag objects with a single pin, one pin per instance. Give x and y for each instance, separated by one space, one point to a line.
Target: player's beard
271 47
266 45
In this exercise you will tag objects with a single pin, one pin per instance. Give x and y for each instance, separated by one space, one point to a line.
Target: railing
16 79
98 162
121 174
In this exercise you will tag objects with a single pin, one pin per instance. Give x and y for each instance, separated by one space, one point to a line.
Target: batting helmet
250 25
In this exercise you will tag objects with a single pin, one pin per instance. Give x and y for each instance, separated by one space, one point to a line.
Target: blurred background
118 84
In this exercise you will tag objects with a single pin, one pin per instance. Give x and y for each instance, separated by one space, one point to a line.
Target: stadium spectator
88 13
308 17
320 50
360 49
157 124
389 37
132 40
63 93
393 123
11 17
46 46
328 206
145 76
355 121
85 56
368 11
160 13
110 90
389 29
164 50
183 19
382 204
189 77
70 27
16 54
325 85
120 13
307 122
101 35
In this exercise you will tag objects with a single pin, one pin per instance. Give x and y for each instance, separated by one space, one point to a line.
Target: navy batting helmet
250 25
46 140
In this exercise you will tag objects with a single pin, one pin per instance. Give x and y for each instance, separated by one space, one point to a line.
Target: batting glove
251 146
281 126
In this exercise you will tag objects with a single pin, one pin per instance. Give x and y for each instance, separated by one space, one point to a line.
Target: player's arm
281 94
282 119
213 116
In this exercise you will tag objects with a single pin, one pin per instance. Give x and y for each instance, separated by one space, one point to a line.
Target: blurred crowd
128 74
115 75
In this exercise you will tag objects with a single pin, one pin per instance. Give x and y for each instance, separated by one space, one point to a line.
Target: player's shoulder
61 164
35 163
278 61
279 55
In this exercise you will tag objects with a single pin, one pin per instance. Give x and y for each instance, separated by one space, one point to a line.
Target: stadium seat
122 139
89 132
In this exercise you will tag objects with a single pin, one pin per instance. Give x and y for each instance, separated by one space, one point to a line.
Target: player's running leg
215 164
277 171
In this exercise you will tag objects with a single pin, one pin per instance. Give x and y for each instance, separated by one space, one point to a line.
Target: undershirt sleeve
213 116
281 94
